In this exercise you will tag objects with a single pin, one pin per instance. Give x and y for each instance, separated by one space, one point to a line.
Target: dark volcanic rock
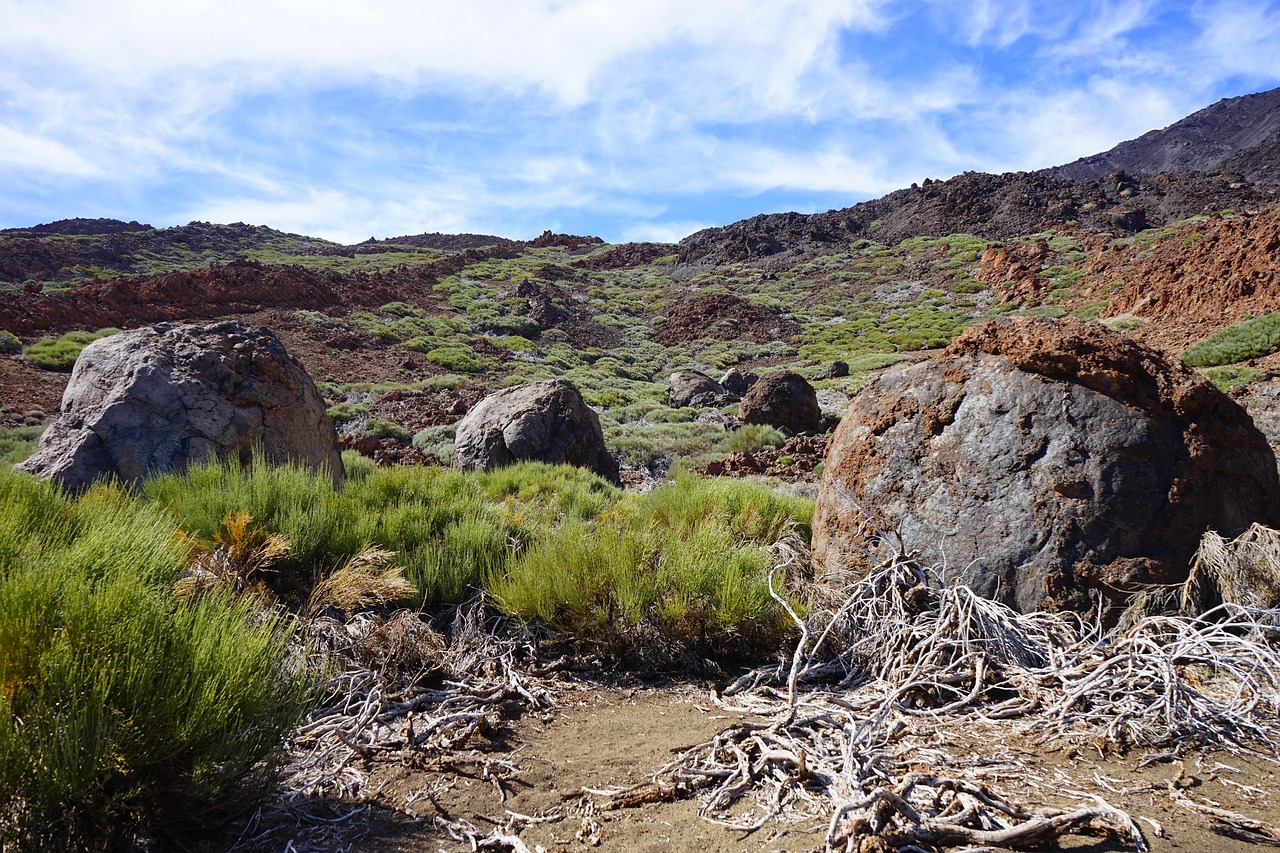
1038 462
784 400
738 381
1240 135
546 421
159 399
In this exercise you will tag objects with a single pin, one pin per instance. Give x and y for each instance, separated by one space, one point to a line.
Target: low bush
457 358
378 428
125 714
752 437
1243 341
18 443
60 354
680 571
9 343
436 441
344 412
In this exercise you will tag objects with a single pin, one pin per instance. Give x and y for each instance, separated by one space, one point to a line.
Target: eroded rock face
157 399
547 421
784 400
696 389
1041 462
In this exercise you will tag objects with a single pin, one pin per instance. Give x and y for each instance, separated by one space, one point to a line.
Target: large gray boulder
784 400
544 421
1042 464
158 399
694 388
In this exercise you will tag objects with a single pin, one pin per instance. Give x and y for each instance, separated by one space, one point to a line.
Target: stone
1042 464
158 399
696 389
838 370
737 381
546 421
784 400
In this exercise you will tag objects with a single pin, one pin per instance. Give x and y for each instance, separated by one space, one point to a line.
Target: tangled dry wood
396 690
896 667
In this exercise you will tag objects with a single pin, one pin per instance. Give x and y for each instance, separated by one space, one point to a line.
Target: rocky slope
1225 156
1239 137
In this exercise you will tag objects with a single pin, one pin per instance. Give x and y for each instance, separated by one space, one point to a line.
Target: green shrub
436 441
9 343
431 518
682 570
752 437
18 443
343 412
123 713
1226 378
457 358
378 428
1243 341
60 354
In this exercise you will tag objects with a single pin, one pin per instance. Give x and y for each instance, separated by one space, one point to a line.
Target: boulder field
1042 463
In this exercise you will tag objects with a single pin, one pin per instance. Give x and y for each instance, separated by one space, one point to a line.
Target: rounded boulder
784 400
1042 464
544 421
160 398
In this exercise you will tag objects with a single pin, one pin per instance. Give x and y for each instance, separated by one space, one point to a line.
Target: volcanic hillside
405 333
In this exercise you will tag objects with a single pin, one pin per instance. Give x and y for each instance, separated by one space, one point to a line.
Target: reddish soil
725 317
28 393
793 462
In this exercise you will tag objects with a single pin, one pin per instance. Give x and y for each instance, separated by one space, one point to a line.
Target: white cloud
1241 37
42 154
663 232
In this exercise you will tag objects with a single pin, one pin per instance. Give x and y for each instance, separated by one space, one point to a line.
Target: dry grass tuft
241 554
367 579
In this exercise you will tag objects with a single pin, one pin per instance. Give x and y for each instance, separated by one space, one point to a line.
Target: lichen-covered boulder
160 398
1043 463
544 421
784 400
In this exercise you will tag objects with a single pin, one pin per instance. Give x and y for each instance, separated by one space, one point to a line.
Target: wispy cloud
619 117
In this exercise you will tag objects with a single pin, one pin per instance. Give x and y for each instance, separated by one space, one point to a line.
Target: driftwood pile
892 671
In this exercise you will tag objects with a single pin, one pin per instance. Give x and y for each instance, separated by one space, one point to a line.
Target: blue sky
629 119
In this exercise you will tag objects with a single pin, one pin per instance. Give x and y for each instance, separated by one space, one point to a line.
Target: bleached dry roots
381 705
888 675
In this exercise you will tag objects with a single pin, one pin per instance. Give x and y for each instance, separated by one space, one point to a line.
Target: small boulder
160 398
695 389
546 421
784 400
737 381
837 369
1043 463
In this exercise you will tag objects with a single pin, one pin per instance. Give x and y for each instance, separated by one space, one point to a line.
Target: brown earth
602 737
725 317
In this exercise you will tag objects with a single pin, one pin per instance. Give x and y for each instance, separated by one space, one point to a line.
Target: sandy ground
600 738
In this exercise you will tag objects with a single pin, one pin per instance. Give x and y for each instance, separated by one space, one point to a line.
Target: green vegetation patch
1250 339
18 443
122 710
60 354
680 570
9 343
1226 378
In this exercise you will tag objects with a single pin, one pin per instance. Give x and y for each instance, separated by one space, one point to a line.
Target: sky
626 119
